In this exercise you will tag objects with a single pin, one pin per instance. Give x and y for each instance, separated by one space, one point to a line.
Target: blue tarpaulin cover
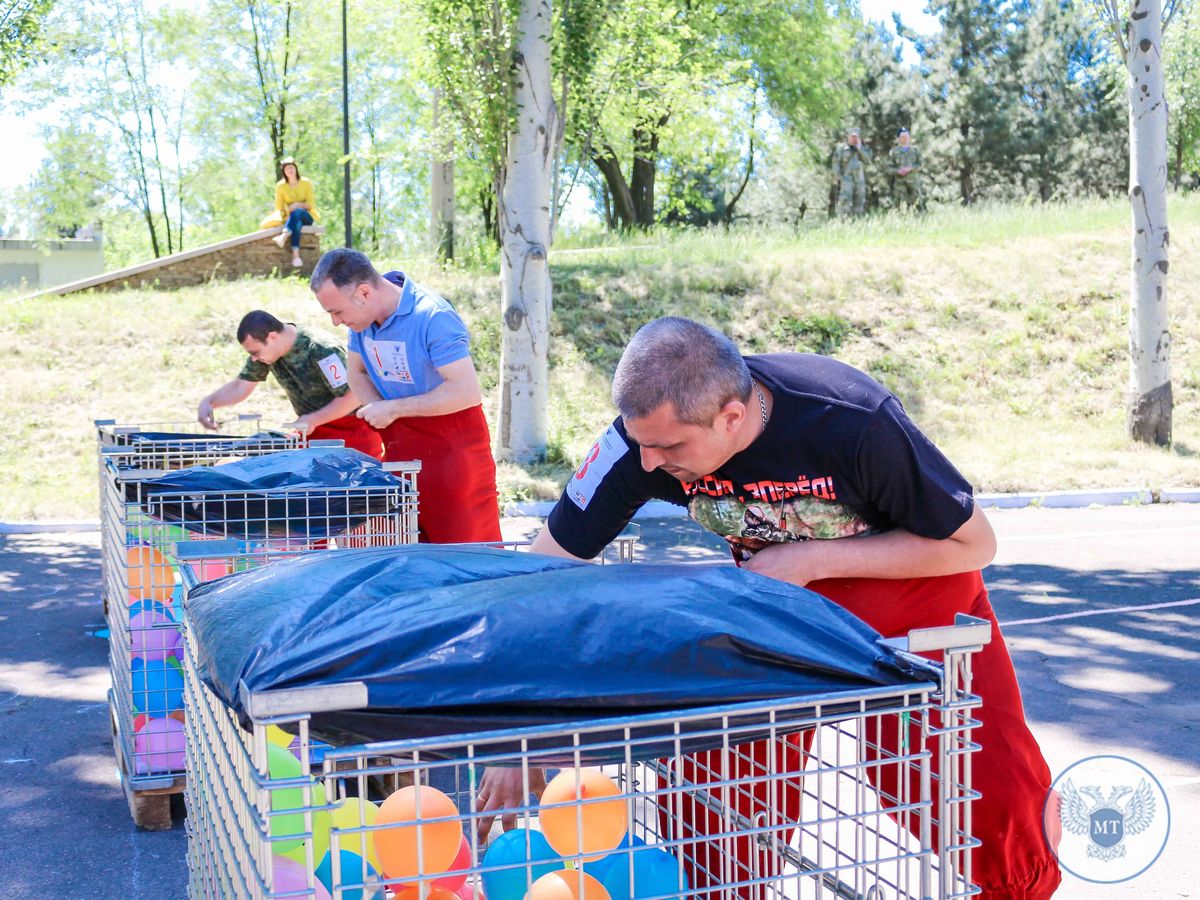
452 640
309 493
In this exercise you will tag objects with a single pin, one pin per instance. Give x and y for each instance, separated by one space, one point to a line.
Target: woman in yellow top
296 203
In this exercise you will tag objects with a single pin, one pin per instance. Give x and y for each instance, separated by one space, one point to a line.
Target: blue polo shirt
403 355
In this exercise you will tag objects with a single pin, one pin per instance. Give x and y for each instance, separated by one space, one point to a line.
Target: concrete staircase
252 254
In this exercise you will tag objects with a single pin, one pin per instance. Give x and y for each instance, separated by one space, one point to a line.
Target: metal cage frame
138 558
842 833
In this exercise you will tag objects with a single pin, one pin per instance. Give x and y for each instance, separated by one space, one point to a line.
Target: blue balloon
148 606
596 868
509 850
656 873
157 688
351 873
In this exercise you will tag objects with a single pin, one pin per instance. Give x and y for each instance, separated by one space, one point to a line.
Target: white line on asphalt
1075 535
1101 612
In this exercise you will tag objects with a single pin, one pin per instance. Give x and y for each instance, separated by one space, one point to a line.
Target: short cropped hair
675 360
343 267
257 324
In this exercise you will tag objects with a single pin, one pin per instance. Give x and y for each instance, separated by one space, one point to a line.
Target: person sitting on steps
297 205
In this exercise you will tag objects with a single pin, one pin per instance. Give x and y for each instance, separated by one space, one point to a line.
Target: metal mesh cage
862 793
236 530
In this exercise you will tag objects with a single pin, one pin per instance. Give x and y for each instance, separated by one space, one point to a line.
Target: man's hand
784 562
379 414
903 170
303 424
205 416
502 789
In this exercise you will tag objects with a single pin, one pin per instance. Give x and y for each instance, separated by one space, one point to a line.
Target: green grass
1002 329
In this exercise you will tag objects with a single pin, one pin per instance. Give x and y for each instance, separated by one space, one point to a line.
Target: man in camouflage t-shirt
310 368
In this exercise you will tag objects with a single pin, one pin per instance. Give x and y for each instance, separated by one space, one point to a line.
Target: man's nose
651 458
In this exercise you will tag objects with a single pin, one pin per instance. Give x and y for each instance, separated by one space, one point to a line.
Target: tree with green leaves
667 77
973 86
20 34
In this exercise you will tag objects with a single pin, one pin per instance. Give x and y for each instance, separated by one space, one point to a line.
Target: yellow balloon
354 813
279 737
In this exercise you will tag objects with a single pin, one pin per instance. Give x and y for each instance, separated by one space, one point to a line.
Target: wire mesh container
143 590
857 793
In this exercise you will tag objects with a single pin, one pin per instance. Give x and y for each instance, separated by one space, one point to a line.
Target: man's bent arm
894 554
459 390
334 409
361 385
228 394
546 544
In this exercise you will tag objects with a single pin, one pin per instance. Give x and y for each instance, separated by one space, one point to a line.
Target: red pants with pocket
355 432
456 490
1014 862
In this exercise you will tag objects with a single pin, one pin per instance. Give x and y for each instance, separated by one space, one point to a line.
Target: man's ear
730 416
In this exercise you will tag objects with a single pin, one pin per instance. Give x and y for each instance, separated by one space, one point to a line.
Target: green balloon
281 764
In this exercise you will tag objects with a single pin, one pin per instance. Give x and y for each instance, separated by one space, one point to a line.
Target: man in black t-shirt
815 475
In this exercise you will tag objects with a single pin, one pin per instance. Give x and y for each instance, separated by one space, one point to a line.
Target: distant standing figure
849 172
904 164
297 205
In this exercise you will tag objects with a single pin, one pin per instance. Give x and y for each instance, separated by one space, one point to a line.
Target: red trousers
355 432
456 489
1013 863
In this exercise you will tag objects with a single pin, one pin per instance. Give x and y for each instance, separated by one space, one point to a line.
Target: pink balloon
461 861
466 892
153 635
292 876
160 746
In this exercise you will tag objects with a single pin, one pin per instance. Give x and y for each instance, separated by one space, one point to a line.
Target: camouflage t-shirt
899 157
312 373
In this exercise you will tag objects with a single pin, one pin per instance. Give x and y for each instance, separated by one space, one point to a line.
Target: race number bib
389 359
334 369
598 462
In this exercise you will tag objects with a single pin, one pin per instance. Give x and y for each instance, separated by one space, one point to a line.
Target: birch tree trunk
525 237
441 194
1150 402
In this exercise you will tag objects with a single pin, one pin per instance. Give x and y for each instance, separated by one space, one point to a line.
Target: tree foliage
20 34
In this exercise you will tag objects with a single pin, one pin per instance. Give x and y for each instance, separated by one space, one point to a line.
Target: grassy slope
1002 330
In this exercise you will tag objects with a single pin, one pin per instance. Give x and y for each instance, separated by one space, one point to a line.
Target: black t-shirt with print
839 457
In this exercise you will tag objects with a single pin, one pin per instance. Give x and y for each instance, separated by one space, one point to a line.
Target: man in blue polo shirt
410 364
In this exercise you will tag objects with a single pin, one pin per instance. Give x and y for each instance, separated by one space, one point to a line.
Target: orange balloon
603 820
397 847
414 893
150 575
569 884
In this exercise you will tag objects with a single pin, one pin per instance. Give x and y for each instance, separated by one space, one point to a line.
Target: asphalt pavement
1102 616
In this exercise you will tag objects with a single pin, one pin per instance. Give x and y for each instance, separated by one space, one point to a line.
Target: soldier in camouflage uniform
310 368
904 166
849 173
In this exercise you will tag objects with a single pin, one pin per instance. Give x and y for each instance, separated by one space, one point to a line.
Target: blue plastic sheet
461 639
308 494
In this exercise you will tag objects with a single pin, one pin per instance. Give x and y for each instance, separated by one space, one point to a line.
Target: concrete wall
42 264
252 254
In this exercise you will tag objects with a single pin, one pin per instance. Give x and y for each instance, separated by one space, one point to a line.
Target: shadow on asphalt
1126 677
59 794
